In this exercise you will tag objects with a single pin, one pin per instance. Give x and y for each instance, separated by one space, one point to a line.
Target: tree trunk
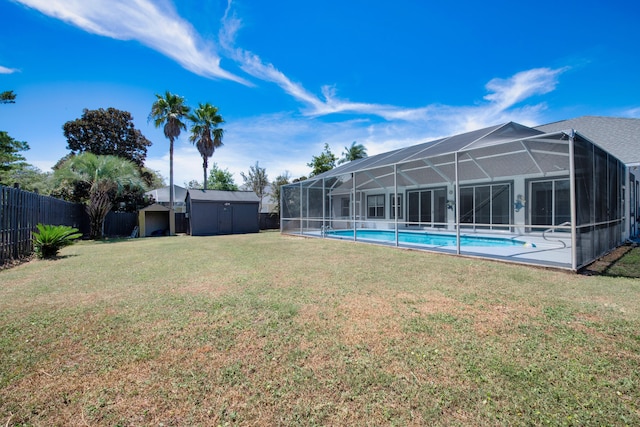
204 168
98 208
171 175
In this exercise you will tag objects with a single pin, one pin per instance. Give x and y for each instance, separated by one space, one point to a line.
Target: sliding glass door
486 206
427 207
550 204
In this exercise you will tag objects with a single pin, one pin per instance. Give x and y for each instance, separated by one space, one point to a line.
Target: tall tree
205 133
30 178
106 132
10 159
106 177
169 111
322 163
7 97
218 179
256 179
152 178
354 152
282 179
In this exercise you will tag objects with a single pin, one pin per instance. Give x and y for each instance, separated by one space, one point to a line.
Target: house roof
161 195
224 196
619 136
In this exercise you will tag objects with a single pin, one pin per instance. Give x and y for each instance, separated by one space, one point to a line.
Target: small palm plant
51 238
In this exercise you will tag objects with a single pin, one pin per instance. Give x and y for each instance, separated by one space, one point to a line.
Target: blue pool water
423 238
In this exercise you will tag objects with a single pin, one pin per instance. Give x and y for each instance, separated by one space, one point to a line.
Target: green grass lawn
265 329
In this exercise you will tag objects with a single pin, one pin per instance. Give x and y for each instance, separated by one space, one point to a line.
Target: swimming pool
424 238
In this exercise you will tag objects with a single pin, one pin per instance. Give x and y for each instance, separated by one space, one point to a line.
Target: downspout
324 207
353 195
280 211
457 204
626 207
572 186
395 200
307 205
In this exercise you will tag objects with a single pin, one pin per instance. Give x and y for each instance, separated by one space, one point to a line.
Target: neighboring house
213 212
161 196
268 204
558 195
269 216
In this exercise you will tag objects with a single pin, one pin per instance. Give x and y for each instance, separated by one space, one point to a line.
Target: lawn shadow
108 240
620 262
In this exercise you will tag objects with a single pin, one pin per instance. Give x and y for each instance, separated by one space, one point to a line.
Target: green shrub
51 238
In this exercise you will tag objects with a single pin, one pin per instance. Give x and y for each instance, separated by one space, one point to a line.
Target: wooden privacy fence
20 211
120 223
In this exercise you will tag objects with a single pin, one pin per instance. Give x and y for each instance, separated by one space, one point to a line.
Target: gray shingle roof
619 136
224 196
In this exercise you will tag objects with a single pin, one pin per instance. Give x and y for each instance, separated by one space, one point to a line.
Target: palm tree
106 176
168 111
354 152
205 133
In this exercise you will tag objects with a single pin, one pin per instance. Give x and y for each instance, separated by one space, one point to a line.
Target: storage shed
213 212
154 221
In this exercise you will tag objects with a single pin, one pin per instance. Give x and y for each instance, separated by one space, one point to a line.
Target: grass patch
266 329
623 261
627 265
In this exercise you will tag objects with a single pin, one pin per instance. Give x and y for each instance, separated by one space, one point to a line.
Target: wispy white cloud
633 113
506 93
6 70
155 24
501 101
380 127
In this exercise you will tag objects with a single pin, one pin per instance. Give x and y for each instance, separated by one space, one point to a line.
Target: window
375 206
344 208
486 206
427 206
392 203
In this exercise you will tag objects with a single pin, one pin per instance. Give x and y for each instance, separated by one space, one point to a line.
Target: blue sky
289 76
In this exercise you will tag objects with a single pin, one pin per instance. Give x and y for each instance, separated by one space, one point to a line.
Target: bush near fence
20 211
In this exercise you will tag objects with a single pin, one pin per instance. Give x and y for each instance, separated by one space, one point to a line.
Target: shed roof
155 208
224 196
619 136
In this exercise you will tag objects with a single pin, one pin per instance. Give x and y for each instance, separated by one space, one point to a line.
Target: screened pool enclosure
508 192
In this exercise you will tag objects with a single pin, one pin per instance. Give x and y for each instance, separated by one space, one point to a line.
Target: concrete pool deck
552 251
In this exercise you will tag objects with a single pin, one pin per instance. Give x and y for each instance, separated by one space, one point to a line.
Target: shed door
225 219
